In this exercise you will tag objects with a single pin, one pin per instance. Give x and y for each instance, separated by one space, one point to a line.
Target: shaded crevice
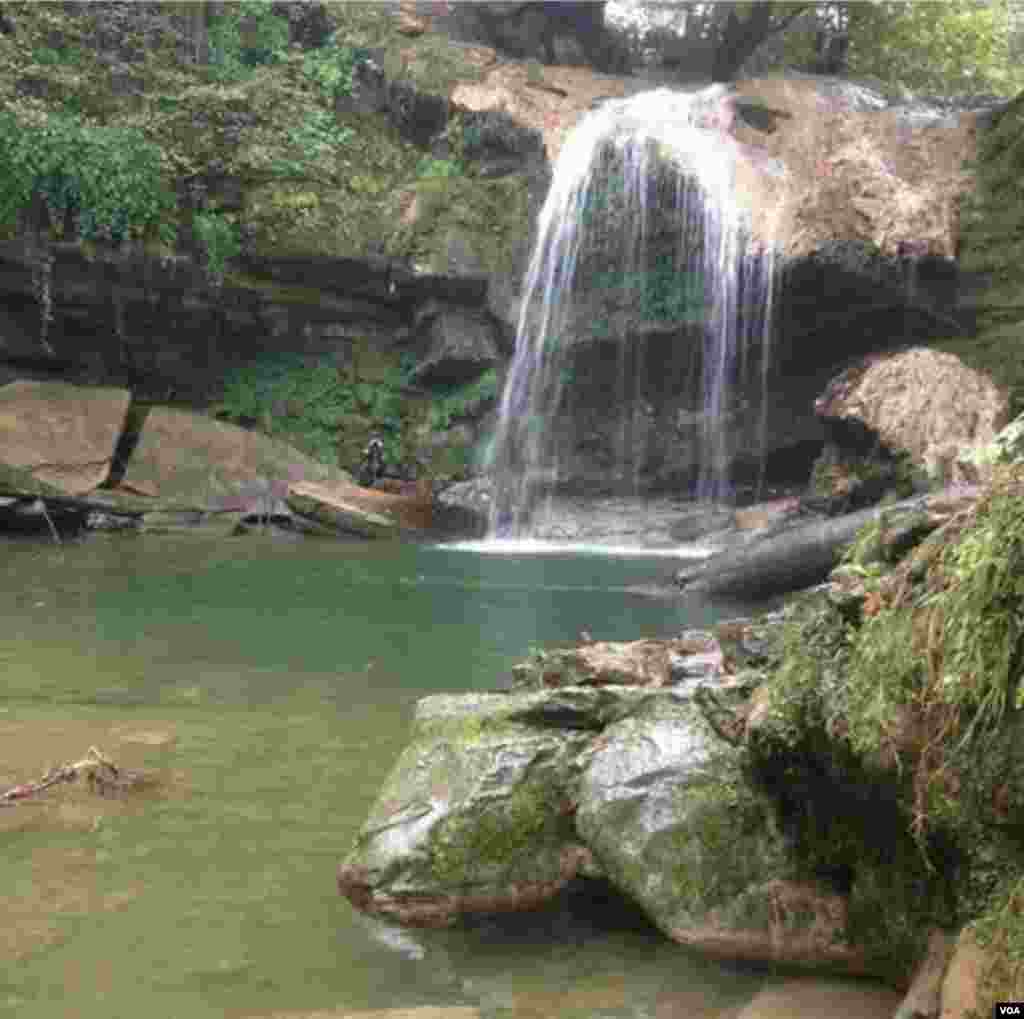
134 419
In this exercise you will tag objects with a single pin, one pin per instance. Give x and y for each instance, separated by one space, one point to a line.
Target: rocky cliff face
413 241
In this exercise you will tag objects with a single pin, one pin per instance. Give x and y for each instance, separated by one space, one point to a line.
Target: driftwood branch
94 765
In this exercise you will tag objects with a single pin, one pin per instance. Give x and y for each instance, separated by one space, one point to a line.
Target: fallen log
798 555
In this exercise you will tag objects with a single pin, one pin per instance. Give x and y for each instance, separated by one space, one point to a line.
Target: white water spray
643 194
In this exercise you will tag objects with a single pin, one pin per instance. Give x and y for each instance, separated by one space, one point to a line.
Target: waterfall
641 230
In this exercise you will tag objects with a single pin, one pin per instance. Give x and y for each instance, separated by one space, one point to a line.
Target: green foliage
310 404
47 56
331 67
463 401
219 237
867 548
983 608
318 136
956 46
430 167
108 178
886 672
807 694
247 35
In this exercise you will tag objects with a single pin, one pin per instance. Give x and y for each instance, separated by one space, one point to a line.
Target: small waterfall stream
641 231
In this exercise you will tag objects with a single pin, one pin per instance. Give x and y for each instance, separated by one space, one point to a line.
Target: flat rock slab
425 1012
191 460
59 435
338 506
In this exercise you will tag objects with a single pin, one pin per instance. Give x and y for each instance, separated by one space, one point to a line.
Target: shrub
430 167
309 404
219 237
332 67
462 401
316 137
247 35
109 179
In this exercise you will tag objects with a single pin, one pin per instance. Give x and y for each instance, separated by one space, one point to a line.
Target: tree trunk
740 39
799 555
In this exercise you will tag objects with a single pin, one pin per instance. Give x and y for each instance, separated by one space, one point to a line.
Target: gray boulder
476 816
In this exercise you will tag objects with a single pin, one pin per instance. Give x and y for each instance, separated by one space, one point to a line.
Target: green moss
428 60
725 845
517 836
485 215
992 245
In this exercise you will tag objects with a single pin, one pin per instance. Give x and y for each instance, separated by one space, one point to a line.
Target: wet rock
58 435
472 497
661 808
790 923
646 663
475 818
461 347
333 505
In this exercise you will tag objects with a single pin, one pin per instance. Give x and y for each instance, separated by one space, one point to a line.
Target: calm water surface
270 684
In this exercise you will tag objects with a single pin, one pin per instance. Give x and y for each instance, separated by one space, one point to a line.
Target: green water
270 683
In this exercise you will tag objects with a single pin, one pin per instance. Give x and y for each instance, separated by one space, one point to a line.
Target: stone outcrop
460 345
191 460
500 799
919 401
648 663
332 505
58 435
475 817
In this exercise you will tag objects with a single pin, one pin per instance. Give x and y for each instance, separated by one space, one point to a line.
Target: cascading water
641 212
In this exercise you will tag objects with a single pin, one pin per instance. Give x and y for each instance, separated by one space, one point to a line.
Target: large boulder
922 402
476 816
58 435
188 460
664 810
460 345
